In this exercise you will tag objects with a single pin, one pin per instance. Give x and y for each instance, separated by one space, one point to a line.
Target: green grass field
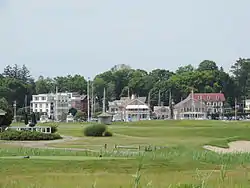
177 161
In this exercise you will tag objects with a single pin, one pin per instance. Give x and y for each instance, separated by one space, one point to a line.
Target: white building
129 109
247 105
56 106
162 112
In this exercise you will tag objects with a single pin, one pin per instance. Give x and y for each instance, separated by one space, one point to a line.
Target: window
35 105
40 105
47 105
36 98
43 98
217 97
208 97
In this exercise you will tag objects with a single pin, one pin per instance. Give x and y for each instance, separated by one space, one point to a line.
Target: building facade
55 106
162 112
129 109
199 106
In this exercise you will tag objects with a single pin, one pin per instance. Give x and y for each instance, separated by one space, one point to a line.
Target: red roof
213 97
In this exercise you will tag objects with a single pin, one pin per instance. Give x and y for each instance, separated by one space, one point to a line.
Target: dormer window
199 97
217 97
208 97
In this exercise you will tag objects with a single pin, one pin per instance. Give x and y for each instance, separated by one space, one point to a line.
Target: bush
96 130
108 133
27 135
54 126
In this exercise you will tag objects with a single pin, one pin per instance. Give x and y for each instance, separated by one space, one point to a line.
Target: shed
105 118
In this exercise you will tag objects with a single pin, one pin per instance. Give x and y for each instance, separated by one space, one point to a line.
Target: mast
103 105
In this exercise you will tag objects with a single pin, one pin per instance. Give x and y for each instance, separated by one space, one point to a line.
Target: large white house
129 109
199 106
55 106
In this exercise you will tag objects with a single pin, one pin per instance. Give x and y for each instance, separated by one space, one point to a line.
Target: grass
183 163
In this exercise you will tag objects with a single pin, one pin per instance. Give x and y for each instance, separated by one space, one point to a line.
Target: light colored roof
105 114
137 106
161 107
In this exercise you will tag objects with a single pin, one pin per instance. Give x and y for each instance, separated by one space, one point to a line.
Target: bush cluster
97 130
27 135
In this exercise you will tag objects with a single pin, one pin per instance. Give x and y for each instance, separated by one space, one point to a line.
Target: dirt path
234 147
44 144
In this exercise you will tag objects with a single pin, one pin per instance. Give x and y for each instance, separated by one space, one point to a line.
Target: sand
234 147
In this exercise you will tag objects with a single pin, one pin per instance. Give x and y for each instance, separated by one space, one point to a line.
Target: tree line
17 83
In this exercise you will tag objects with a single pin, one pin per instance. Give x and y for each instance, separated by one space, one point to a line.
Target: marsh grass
183 164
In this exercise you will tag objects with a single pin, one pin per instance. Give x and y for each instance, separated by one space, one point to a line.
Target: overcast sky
60 37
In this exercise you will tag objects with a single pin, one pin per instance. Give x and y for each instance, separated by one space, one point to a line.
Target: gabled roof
209 97
135 101
183 102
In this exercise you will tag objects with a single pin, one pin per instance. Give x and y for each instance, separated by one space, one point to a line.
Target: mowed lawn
182 163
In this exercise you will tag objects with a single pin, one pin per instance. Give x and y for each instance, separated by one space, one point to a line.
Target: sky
61 37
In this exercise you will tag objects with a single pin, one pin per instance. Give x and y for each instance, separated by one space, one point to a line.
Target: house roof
186 100
213 97
2 113
142 106
156 108
105 114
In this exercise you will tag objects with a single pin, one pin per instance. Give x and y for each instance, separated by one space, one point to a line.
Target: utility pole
14 105
159 98
235 110
92 100
171 105
56 101
88 100
103 105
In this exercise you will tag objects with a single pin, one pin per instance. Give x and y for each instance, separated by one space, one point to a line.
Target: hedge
27 135
96 130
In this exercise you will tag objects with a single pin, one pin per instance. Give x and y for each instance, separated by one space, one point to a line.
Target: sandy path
234 147
44 144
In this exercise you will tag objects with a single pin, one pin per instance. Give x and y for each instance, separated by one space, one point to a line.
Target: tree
44 85
17 72
187 68
73 111
7 120
76 83
241 75
207 65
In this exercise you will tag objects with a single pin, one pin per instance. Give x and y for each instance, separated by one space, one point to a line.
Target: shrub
108 133
54 126
27 135
96 130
